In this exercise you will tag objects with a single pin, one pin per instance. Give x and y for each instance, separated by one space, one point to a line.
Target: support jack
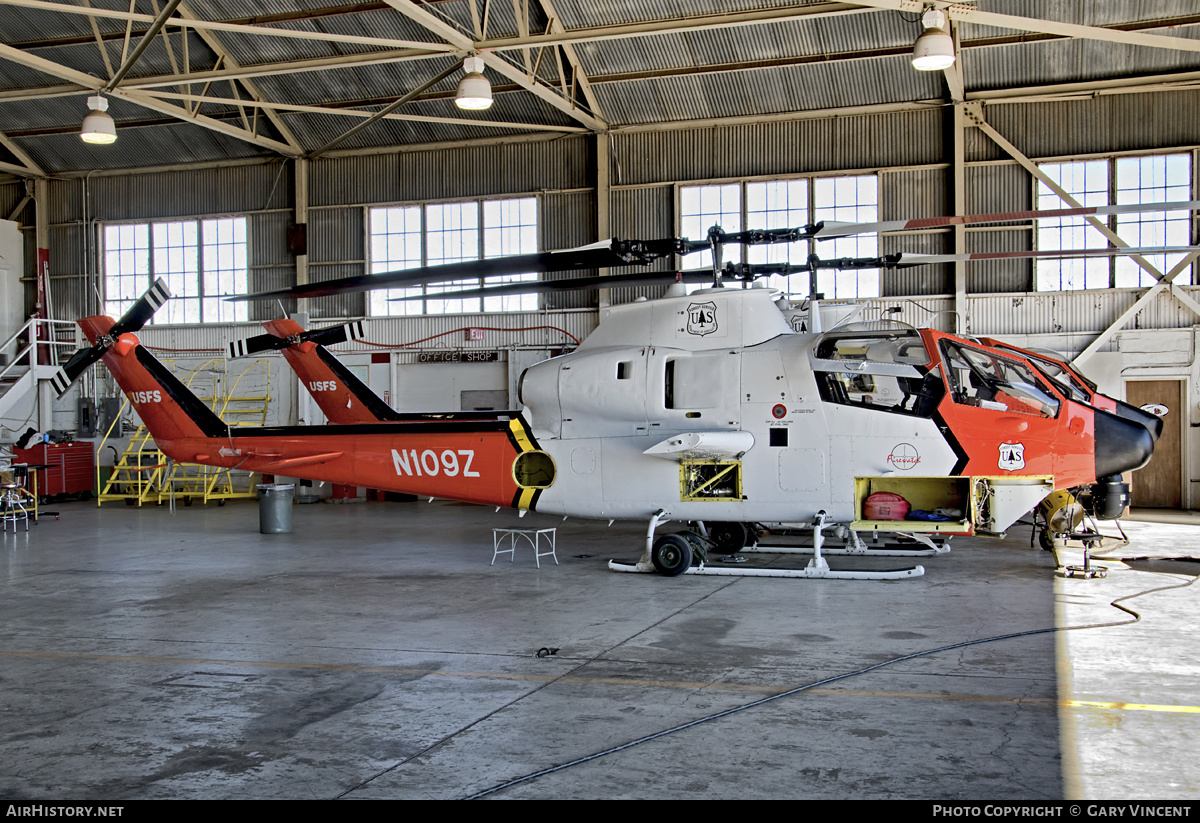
1087 571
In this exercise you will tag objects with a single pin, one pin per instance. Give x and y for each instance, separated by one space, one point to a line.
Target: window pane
510 227
225 274
452 236
779 204
395 245
126 266
847 200
1087 182
1159 179
700 208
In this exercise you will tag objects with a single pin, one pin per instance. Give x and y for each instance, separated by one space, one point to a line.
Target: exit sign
474 334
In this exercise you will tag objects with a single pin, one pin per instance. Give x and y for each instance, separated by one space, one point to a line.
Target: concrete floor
374 653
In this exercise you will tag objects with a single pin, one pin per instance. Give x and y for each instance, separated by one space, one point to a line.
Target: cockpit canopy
885 370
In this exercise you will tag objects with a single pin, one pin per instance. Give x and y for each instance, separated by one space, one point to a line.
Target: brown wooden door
1159 485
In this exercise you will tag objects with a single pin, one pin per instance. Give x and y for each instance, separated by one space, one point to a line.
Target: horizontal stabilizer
305 460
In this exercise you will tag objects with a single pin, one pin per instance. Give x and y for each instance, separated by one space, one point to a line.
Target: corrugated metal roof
722 66
1061 61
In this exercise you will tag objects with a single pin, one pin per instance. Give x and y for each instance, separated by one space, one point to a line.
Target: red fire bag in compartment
885 506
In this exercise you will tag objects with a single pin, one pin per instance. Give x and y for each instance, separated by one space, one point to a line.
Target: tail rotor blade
253 345
335 334
269 342
143 309
69 374
137 316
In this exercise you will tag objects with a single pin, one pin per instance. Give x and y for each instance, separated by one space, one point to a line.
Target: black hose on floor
1115 603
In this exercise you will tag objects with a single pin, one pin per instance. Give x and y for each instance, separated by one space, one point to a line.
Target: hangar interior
262 146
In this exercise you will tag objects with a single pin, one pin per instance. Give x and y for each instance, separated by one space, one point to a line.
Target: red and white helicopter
708 408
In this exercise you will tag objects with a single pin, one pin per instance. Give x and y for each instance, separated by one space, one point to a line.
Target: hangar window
405 237
1115 181
202 261
774 204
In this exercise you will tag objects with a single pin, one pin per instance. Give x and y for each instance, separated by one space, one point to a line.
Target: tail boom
475 461
487 458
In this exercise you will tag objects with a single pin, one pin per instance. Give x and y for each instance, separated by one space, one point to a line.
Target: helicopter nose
1133 414
1121 445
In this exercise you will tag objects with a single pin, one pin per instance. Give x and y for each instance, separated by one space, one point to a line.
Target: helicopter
709 408
345 400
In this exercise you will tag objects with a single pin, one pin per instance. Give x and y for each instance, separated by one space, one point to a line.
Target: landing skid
823 572
855 547
673 554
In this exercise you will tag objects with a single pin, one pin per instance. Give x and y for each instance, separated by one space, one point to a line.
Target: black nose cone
1121 445
1133 414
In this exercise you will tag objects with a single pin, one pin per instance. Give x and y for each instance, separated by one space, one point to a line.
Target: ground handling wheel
671 554
728 538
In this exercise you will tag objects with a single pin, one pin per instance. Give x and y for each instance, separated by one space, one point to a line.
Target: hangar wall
908 148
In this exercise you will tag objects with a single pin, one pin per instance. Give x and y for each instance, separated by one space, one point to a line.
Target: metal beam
671 26
1164 281
495 62
585 84
30 167
385 111
15 169
976 118
968 14
87 81
958 183
159 21
350 112
1139 304
1089 89
194 23
218 48
1161 82
16 212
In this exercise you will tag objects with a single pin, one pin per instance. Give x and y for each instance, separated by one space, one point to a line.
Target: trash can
275 508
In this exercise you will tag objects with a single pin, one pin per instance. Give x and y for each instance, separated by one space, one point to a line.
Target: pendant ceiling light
474 91
934 49
98 126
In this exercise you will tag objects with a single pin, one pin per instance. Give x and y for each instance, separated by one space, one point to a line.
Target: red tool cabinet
71 467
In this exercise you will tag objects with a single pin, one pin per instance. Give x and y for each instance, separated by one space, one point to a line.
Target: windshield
980 378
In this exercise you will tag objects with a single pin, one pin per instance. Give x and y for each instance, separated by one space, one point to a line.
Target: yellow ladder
211 483
143 474
138 473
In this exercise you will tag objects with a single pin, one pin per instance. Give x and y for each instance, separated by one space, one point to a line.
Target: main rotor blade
599 255
833 229
247 346
571 284
906 259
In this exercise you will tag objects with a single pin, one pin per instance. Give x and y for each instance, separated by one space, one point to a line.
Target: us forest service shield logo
1012 457
702 318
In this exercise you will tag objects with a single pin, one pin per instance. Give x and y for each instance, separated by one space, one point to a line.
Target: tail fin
342 397
166 406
